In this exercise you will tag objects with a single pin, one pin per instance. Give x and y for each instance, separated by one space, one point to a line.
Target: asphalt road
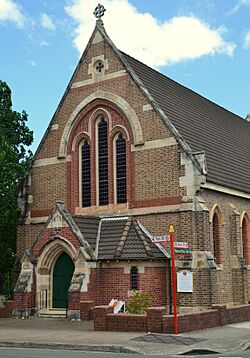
6 352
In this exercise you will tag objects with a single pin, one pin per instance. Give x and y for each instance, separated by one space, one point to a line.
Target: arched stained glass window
121 178
103 161
86 177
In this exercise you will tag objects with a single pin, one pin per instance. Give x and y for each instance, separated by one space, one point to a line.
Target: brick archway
123 106
46 262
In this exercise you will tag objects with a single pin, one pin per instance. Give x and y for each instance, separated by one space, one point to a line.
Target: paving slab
62 334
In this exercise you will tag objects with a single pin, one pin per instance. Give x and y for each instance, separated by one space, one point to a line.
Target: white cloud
44 43
144 37
246 44
33 63
238 5
47 22
9 11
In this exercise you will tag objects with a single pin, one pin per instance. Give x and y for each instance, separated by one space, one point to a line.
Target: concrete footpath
57 334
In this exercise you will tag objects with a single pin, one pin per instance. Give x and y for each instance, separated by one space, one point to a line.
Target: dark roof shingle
204 125
117 238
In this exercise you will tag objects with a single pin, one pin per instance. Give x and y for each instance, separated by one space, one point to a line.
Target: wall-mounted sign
183 252
160 239
181 245
184 281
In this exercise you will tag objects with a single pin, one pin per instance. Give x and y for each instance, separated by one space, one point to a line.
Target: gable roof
205 126
198 124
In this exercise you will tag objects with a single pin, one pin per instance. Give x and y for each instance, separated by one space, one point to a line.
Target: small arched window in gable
245 239
86 176
216 231
103 161
134 278
121 177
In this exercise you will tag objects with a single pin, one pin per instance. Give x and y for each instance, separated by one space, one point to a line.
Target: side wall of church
193 228
232 276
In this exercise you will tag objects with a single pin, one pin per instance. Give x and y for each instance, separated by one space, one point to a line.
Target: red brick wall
154 281
192 322
126 323
108 283
156 321
26 236
44 239
6 311
230 277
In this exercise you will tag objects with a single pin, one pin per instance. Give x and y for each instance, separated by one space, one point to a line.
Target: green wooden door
62 275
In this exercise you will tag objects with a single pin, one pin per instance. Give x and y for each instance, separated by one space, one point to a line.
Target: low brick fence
6 310
86 310
105 320
155 320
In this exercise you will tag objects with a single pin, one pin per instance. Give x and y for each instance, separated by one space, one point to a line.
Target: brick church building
128 152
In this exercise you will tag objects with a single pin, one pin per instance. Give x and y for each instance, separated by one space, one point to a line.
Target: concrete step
52 314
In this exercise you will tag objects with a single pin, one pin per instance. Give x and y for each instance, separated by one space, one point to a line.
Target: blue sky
203 44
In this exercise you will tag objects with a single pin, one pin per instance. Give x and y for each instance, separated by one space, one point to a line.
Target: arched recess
245 237
217 209
120 102
46 262
216 242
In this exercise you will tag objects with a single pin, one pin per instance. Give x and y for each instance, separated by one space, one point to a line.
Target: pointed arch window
86 176
245 239
216 232
103 161
121 176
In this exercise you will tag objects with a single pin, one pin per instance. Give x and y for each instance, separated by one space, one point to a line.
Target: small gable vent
99 66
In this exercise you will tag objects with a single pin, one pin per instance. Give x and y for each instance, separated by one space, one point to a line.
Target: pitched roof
119 238
88 226
204 125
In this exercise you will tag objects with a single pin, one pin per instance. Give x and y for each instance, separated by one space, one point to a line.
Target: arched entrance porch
55 268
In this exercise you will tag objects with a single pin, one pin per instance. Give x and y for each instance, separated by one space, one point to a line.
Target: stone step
52 314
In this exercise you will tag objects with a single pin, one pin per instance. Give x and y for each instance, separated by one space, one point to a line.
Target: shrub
139 302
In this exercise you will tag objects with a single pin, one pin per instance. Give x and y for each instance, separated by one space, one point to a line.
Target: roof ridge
124 237
147 233
185 87
142 238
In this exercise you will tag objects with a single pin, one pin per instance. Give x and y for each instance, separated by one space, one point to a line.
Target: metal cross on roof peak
99 12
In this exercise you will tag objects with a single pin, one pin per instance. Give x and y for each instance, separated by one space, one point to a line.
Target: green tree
15 136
